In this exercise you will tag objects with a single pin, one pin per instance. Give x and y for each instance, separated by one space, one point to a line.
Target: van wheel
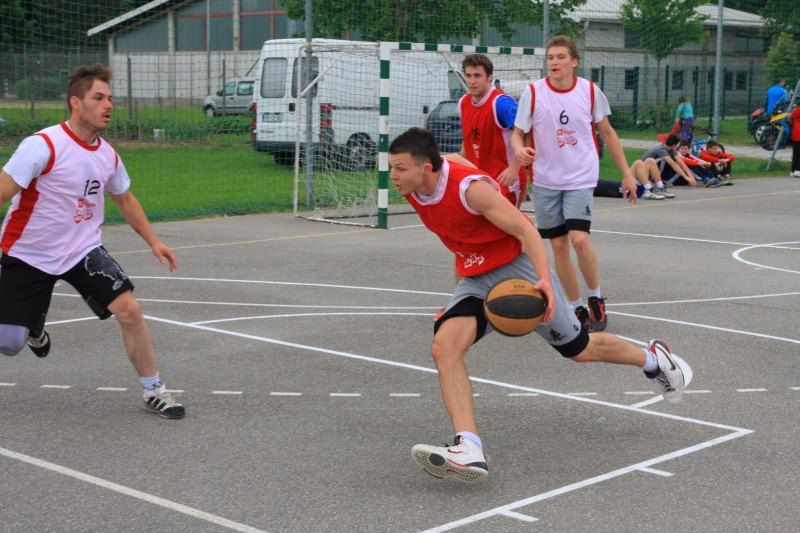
359 151
285 159
209 111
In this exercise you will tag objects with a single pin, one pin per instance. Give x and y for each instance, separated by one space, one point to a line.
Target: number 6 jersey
55 220
563 123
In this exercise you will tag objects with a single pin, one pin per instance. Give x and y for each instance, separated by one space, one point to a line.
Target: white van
346 99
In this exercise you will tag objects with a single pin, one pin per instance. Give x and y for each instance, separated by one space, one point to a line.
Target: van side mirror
219 93
425 110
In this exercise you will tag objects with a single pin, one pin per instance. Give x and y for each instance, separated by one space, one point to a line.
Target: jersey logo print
565 137
84 211
476 142
99 263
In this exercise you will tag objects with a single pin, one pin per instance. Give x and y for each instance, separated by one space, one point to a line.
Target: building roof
132 16
609 11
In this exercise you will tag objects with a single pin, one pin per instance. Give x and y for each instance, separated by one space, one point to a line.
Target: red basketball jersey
479 245
487 145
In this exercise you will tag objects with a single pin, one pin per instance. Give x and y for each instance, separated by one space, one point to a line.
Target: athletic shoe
584 317
462 460
663 192
713 182
650 195
158 400
597 314
438 314
796 174
668 380
40 346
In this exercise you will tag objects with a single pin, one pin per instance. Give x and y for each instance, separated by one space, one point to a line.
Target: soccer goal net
357 97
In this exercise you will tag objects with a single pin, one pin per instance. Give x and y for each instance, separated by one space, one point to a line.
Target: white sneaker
796 174
462 460
649 194
158 400
668 380
663 192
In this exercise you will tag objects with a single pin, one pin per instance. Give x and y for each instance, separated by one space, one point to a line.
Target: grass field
732 131
185 181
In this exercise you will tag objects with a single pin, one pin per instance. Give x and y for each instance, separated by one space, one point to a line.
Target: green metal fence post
635 107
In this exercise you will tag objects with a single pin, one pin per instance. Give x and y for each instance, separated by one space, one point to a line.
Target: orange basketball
513 307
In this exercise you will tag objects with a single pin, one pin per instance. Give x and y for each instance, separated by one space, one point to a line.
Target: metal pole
635 107
545 32
130 90
696 81
208 46
309 156
718 70
224 95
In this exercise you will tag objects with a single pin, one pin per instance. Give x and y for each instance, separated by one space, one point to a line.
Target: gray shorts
559 212
564 332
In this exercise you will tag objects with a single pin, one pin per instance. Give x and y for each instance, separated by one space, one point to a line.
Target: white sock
472 437
648 186
151 382
594 292
652 361
660 184
577 303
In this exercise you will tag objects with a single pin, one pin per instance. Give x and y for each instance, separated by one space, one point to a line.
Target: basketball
513 307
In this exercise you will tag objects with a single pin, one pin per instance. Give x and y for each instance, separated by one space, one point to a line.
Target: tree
663 26
428 20
782 16
783 59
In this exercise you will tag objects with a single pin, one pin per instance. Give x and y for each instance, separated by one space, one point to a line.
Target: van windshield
273 77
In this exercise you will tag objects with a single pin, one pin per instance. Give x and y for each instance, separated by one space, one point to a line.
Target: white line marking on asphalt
582 393
751 390
670 237
475 395
285 393
523 394
228 392
55 386
84 319
295 315
737 255
697 391
639 392
114 389
127 491
346 394
7 384
519 516
795 388
656 472
705 300
404 395
704 326
176 391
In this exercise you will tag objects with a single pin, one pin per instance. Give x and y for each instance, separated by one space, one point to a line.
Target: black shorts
25 291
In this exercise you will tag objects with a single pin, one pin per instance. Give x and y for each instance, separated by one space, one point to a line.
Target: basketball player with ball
492 242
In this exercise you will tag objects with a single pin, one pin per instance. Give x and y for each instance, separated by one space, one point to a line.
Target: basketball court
301 350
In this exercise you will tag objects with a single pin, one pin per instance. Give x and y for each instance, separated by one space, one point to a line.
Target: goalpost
364 95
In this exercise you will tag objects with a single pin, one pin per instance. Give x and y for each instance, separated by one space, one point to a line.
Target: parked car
445 124
235 98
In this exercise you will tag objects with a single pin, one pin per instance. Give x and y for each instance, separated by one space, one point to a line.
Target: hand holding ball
514 307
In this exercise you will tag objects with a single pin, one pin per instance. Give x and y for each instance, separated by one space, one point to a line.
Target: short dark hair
712 144
421 144
671 140
682 98
478 60
566 42
81 79
685 144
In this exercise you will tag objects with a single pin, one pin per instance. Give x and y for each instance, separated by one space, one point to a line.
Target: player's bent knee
577 349
12 339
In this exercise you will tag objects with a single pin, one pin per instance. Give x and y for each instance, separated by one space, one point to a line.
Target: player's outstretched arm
618 155
136 218
8 188
484 198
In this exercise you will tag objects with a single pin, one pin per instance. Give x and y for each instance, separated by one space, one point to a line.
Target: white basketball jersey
567 154
55 220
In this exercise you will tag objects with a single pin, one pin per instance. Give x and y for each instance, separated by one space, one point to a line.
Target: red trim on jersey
80 142
52 160
594 130
554 88
20 217
116 160
533 99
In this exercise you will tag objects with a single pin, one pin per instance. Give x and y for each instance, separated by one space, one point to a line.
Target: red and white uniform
563 124
479 245
487 144
55 220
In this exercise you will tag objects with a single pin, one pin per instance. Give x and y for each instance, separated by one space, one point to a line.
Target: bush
16 129
40 88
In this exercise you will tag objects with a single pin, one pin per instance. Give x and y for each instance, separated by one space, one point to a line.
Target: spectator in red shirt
721 160
703 170
794 137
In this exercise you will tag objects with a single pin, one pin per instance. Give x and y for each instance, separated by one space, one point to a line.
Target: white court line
795 388
294 284
346 394
582 393
228 392
405 395
671 237
520 516
751 390
704 300
293 315
587 482
285 393
113 389
656 472
738 256
127 491
72 319
8 384
55 386
639 392
697 391
523 394
176 391
704 326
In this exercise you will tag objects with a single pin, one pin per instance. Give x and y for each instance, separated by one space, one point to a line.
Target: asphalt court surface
302 352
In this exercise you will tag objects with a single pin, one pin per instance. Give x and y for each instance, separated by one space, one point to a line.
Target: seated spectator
721 160
613 189
672 169
702 170
648 174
